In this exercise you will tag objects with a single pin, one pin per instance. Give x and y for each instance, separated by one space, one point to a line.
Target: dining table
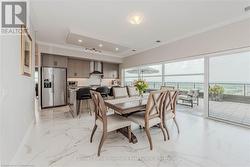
127 106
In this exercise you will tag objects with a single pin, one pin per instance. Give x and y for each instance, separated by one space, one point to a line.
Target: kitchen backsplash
93 80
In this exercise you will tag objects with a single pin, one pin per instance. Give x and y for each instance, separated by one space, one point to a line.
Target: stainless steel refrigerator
54 87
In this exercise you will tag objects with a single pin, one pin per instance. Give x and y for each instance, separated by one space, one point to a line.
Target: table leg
124 131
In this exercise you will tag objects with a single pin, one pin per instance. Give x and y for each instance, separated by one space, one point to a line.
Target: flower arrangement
141 86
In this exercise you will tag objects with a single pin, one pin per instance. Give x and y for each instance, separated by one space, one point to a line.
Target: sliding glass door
216 85
131 75
188 77
152 74
229 87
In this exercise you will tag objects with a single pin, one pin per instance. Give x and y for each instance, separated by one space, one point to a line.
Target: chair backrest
193 92
111 90
155 104
132 91
170 101
120 92
103 90
83 93
100 108
167 87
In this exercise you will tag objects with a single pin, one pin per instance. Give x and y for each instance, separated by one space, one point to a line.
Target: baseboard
24 140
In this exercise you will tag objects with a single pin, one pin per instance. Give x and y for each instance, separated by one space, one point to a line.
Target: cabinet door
72 68
85 68
110 70
60 61
47 60
78 68
54 60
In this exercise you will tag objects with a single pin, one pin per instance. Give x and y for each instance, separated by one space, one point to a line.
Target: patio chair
191 97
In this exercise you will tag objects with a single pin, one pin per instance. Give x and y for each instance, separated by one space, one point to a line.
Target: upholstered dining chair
120 92
169 111
132 91
107 122
152 115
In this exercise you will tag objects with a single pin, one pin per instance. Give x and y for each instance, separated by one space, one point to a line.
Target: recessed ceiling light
247 9
79 40
158 41
116 49
135 19
100 45
134 50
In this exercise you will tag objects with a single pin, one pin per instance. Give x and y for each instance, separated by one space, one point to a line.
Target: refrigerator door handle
53 78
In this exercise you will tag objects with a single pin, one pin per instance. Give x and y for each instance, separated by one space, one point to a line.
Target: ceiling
94 44
106 21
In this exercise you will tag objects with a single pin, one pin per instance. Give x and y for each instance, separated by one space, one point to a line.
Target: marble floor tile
58 140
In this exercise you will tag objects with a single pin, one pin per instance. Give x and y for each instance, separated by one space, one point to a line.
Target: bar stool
83 94
104 91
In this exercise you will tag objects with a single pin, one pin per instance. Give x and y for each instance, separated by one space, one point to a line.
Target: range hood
96 68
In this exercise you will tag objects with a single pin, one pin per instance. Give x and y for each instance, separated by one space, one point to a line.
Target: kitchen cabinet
78 68
49 60
110 71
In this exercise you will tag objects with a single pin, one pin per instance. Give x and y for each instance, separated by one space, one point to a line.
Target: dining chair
120 92
169 111
152 115
107 122
132 91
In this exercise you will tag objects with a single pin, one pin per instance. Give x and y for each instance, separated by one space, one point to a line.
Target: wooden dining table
126 107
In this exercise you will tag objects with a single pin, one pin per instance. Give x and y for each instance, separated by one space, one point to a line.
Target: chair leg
165 127
164 135
88 107
149 137
104 135
177 126
79 108
93 132
129 134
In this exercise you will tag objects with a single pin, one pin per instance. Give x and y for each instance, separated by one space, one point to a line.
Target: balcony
234 104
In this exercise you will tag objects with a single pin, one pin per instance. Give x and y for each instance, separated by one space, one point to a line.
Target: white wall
233 36
17 97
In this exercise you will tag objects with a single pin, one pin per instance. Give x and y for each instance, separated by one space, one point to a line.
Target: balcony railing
238 89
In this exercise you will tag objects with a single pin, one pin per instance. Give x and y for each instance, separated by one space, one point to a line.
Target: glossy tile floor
59 140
